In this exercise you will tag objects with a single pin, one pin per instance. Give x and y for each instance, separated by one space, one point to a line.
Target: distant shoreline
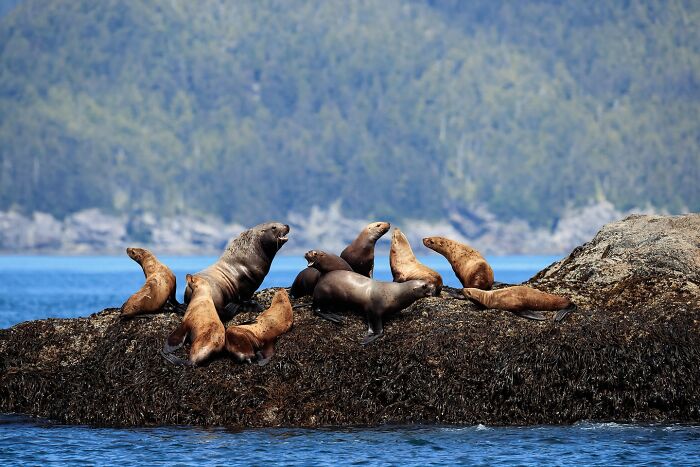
92 232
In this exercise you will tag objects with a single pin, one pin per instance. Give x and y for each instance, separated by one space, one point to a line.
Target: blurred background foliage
401 109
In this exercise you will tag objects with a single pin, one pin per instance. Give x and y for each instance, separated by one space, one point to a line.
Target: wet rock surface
631 352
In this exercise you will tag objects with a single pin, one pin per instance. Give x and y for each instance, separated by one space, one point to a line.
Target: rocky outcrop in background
631 352
94 232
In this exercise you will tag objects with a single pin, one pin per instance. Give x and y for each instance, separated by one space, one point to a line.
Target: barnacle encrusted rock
630 352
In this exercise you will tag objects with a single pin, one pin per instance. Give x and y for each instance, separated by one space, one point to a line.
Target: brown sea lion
320 262
201 324
469 266
377 300
158 290
360 253
242 267
405 266
248 341
522 300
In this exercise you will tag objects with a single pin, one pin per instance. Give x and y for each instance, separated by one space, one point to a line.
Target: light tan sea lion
522 300
469 266
242 267
360 253
405 266
377 300
201 324
248 341
158 290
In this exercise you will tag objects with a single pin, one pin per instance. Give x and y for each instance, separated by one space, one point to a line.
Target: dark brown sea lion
158 290
522 300
377 300
242 267
360 253
469 266
201 324
405 266
320 262
248 341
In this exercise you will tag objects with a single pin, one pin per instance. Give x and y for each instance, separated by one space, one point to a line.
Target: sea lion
405 266
248 341
522 300
158 290
242 267
320 262
378 300
360 253
469 266
201 323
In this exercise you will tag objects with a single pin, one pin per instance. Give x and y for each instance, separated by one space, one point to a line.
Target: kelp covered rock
630 352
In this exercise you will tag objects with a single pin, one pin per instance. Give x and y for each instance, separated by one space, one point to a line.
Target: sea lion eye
274 227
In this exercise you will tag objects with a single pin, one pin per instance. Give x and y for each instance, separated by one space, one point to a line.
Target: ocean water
36 287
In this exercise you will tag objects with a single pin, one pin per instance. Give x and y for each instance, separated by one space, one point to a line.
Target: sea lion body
469 266
521 298
201 324
320 262
159 288
304 283
405 266
247 341
242 267
360 253
377 300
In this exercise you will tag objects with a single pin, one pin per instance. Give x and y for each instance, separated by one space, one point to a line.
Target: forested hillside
251 109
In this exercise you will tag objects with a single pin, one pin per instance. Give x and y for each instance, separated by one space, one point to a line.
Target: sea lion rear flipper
175 360
530 314
561 314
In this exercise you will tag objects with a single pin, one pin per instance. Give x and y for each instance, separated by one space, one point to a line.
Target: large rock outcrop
630 352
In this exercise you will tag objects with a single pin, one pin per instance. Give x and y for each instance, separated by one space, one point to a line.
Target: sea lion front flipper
175 360
266 354
454 293
233 308
371 337
176 338
332 317
561 314
375 330
530 314
173 306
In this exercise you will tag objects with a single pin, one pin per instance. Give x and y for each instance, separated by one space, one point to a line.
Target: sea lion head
137 254
197 283
272 235
423 288
376 229
438 244
313 257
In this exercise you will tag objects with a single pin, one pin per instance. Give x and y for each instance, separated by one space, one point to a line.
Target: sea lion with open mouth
242 267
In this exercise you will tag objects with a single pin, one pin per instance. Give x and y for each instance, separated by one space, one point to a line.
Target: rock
631 352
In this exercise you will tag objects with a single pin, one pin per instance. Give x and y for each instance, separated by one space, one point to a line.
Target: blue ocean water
35 287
